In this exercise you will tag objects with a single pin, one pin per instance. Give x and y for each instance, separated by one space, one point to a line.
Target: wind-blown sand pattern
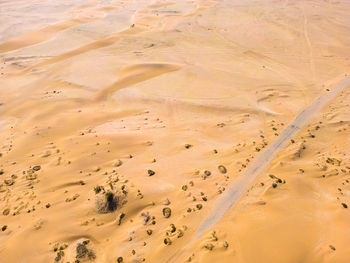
174 131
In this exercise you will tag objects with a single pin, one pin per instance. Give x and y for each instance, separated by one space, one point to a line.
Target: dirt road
239 186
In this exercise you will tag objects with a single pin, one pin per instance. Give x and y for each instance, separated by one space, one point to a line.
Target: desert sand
175 131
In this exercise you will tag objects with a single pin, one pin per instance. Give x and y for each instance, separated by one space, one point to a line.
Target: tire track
307 38
241 184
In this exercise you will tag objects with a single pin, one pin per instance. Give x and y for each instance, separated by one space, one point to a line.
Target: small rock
222 169
122 215
118 163
166 212
167 241
172 228
199 206
207 173
58 257
9 182
36 168
209 246
98 189
6 212
151 173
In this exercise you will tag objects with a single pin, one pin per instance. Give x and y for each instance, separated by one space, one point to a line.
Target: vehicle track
241 184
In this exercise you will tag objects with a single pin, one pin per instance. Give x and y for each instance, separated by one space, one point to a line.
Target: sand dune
125 125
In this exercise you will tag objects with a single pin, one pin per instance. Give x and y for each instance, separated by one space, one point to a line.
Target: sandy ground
122 123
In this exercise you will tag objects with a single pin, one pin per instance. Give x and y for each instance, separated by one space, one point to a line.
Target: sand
124 123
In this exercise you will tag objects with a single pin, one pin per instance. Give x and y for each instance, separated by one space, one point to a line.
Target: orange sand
97 93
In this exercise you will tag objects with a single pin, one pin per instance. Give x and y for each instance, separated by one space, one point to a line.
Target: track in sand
241 184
